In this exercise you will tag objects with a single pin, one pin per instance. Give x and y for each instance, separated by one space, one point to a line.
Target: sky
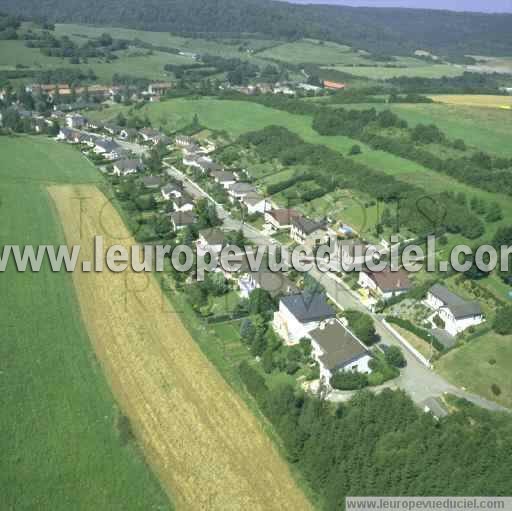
453 5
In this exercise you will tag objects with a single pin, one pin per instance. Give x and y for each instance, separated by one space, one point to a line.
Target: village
178 177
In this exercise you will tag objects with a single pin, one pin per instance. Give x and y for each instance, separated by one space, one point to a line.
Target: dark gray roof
171 187
151 181
459 307
184 199
213 236
306 225
107 145
435 407
223 175
181 218
309 307
242 188
128 164
276 283
339 345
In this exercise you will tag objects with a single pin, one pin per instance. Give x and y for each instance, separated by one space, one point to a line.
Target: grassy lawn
225 303
479 364
61 448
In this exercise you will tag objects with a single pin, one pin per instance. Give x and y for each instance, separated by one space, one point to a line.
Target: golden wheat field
208 449
480 100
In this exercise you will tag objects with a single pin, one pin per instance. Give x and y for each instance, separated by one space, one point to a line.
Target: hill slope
386 31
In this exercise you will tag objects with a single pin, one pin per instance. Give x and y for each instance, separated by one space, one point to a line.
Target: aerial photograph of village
255 255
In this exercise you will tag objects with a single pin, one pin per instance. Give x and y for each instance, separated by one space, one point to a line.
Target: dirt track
204 443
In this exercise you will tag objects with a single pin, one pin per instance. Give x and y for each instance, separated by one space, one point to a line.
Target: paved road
417 380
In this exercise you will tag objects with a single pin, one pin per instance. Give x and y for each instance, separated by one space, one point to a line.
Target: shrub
495 389
394 357
349 380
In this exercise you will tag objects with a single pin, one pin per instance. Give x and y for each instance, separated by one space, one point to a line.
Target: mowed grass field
479 364
60 444
203 441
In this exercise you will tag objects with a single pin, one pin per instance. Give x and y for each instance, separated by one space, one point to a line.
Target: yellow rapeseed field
208 449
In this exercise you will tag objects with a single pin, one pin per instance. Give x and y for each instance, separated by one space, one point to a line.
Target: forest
379 31
383 445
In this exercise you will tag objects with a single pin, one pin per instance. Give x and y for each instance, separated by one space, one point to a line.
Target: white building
255 203
237 191
309 233
457 313
336 348
275 283
75 121
171 191
210 241
126 167
300 314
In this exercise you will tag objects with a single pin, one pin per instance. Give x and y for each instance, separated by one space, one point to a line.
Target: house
283 89
170 191
281 218
309 233
300 314
191 160
66 135
128 134
276 283
435 407
336 348
330 85
126 167
182 219
456 313
226 179
159 88
108 149
191 150
183 141
75 121
353 253
385 284
238 191
207 165
309 88
94 125
210 240
183 203
255 203
112 129
153 136
151 182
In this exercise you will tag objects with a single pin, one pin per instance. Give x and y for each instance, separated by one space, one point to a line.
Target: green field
237 117
485 128
472 367
135 62
61 447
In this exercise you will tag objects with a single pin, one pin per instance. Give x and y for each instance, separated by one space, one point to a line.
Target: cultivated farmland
207 447
61 445
485 101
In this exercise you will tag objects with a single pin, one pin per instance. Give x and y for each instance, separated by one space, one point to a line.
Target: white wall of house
185 207
259 207
289 327
452 325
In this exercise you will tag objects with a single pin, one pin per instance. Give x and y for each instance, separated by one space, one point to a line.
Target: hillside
381 31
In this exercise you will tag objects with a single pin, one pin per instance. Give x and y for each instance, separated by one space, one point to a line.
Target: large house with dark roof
385 284
275 283
309 233
336 348
456 313
300 314
281 218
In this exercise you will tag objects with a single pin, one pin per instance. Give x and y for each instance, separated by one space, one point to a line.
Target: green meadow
384 72
60 442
